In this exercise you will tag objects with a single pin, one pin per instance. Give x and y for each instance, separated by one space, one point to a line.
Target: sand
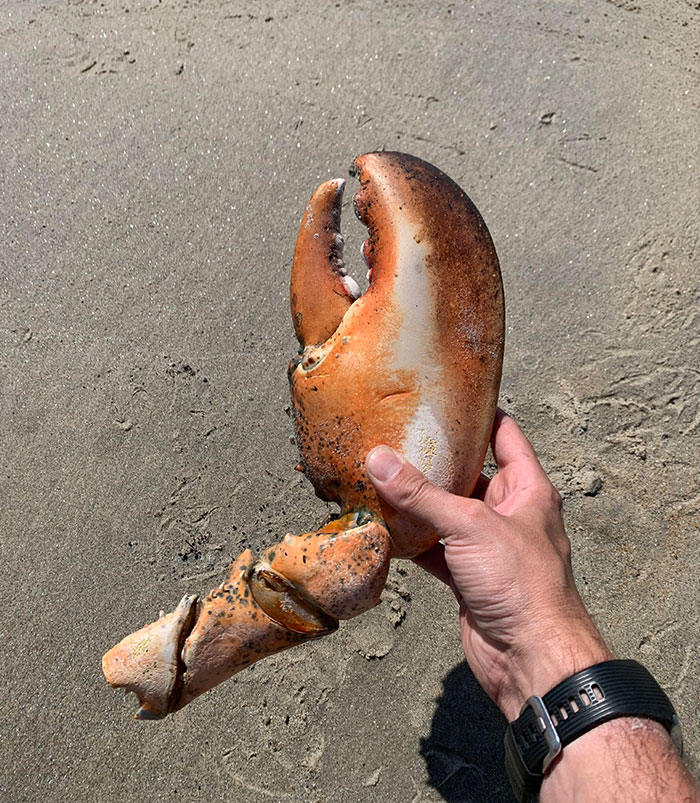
156 159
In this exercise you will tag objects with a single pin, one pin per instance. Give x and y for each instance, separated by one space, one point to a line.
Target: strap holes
574 704
598 692
564 713
585 698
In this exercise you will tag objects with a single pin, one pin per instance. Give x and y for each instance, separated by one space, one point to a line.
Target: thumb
409 491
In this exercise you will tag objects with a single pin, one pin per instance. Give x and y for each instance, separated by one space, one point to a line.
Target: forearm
619 761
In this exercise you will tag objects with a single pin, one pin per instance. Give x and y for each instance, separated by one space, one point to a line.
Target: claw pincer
414 363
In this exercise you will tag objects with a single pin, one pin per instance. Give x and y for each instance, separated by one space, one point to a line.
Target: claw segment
341 568
231 632
321 290
147 662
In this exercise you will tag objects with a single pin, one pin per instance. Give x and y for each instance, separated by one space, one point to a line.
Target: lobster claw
414 363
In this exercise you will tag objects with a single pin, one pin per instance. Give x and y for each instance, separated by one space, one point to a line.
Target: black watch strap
588 698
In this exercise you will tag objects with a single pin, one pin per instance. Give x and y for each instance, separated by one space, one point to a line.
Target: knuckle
562 547
555 498
548 497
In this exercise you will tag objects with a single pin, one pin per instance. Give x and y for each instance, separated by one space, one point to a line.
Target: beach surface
156 161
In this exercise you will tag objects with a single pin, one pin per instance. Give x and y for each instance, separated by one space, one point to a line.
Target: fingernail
383 464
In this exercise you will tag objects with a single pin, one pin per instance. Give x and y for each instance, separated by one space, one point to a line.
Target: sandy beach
156 161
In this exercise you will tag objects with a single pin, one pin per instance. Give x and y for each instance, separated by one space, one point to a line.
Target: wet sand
156 160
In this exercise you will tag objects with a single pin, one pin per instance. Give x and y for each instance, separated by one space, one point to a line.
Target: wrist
539 668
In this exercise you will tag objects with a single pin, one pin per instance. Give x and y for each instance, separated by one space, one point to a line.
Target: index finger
509 444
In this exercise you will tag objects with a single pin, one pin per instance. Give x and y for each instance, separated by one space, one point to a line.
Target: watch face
677 735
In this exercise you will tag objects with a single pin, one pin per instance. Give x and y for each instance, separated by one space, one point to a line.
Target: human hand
507 559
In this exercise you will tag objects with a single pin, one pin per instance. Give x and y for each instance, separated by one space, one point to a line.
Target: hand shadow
464 752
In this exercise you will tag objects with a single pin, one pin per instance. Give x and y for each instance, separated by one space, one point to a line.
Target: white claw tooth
352 287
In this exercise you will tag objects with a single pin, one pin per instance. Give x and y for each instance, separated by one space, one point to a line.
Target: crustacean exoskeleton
414 362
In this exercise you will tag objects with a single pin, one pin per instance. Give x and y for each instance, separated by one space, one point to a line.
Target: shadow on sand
464 751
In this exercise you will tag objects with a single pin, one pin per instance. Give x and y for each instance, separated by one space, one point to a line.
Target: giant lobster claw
414 362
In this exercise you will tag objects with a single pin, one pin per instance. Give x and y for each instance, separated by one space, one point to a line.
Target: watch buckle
546 726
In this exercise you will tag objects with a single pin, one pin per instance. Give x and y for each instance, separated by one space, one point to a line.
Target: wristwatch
588 698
